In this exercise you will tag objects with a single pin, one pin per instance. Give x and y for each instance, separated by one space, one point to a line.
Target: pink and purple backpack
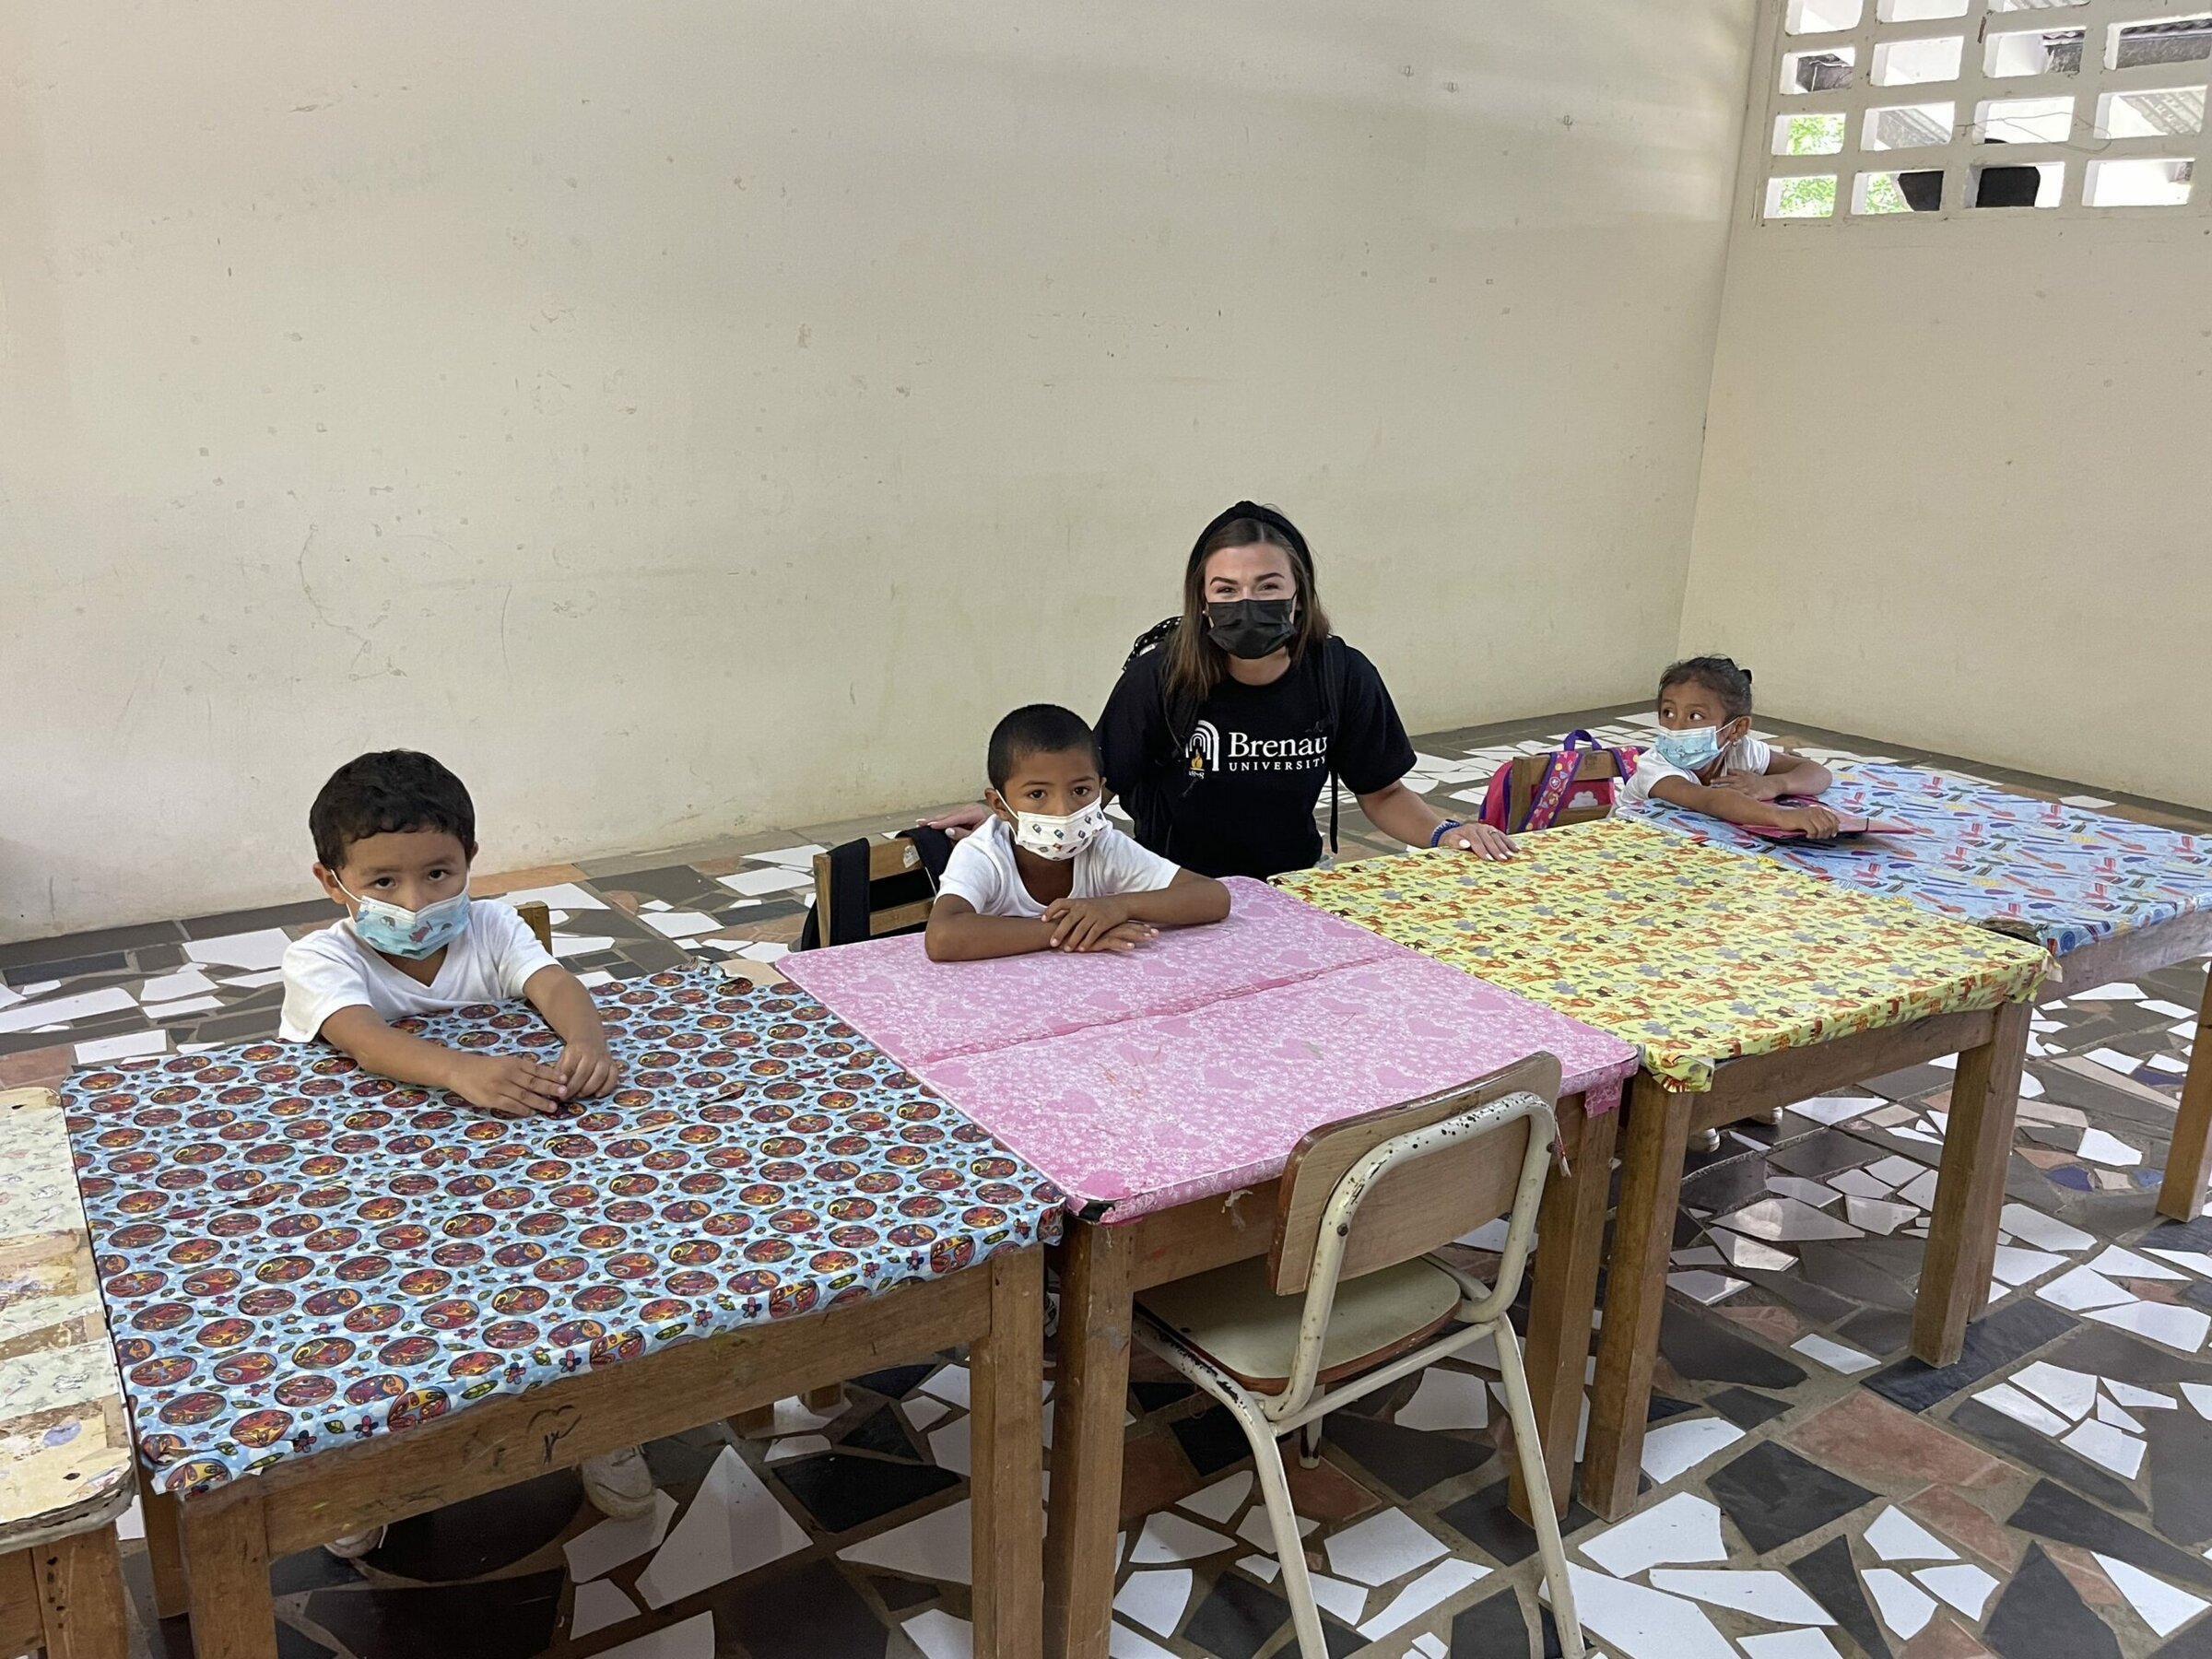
1558 791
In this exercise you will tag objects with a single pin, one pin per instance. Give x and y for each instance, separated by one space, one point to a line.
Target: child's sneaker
619 1485
354 1545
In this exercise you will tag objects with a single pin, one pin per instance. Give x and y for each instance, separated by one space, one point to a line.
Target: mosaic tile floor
1812 1493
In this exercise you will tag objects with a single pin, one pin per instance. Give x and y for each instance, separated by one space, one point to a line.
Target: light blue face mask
398 931
1692 749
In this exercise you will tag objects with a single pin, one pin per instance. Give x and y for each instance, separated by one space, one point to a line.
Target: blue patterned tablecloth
296 1254
2068 875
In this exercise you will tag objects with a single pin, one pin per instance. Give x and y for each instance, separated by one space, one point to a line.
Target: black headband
1265 516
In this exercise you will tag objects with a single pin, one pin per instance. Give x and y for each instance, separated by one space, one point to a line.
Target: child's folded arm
1189 901
587 1068
1784 775
1734 807
957 932
510 1084
1120 922
1801 775
1790 774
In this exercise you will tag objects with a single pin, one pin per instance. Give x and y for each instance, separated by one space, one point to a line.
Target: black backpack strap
849 899
1180 710
853 900
1334 670
933 845
1152 639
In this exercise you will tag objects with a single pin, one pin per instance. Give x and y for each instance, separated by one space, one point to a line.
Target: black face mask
1250 628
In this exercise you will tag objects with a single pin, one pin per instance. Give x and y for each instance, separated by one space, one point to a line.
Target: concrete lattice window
1897 110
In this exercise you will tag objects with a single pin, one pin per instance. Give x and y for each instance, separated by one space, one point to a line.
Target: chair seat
1233 1318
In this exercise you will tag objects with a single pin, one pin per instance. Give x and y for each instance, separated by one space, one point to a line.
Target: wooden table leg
829 1397
226 1549
1090 1399
80 1583
757 1424
1969 1192
22 1627
164 1551
1571 1236
2181 1195
1644 1236
1007 1452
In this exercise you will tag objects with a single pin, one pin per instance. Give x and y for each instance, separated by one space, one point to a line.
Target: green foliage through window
1884 196
1804 198
1815 135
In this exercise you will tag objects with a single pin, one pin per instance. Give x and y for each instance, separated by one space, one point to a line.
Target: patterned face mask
1059 838
398 930
1689 750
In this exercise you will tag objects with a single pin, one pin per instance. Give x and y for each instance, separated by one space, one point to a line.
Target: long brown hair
1195 665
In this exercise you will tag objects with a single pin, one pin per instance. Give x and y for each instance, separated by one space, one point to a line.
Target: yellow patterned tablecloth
1696 953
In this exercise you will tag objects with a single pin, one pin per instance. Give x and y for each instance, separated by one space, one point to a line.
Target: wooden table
340 1301
64 1453
230 1534
1164 1092
2144 950
1962 1228
1749 987
2108 897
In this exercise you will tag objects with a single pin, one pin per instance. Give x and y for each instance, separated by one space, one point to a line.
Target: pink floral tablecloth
917 1010
1191 1068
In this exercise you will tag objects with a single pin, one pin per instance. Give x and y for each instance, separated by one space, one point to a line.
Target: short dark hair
1036 729
1718 675
388 793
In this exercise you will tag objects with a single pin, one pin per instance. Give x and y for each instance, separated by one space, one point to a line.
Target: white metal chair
1362 1204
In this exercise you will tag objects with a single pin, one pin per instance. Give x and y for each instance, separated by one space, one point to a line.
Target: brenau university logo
1209 752
1203 751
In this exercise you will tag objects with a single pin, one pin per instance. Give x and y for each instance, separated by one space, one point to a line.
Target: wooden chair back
899 889
540 917
1527 776
1420 1203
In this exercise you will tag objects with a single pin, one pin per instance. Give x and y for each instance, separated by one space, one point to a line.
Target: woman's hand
1481 840
1400 814
959 821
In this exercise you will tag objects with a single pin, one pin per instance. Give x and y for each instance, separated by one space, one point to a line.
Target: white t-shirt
982 871
491 961
1744 754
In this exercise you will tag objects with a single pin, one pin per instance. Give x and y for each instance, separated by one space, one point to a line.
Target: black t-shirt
1231 792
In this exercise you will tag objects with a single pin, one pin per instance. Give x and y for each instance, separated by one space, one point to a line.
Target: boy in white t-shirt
1705 758
394 832
1047 871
